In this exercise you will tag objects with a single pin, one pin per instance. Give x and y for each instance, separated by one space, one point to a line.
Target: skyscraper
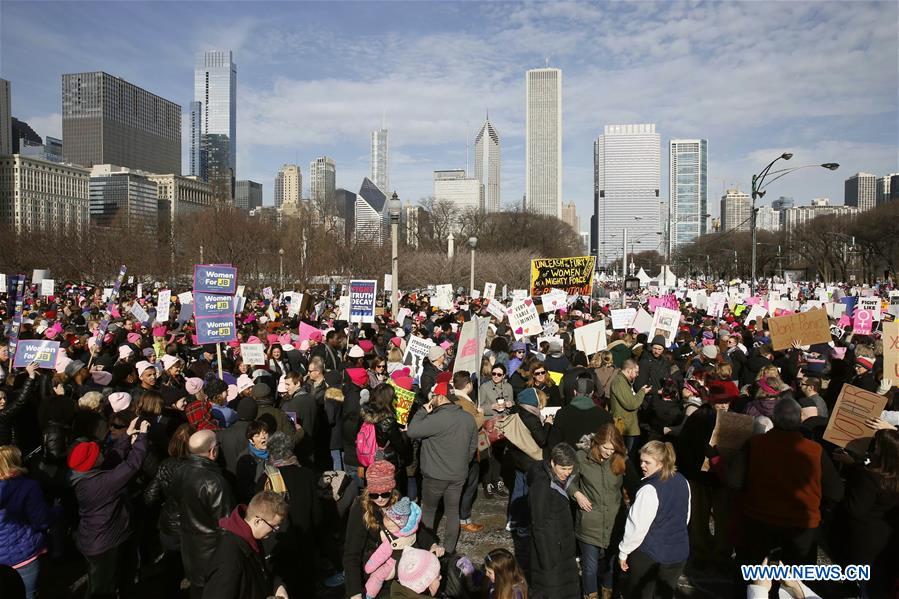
106 120
5 119
288 185
123 198
380 160
36 195
248 195
736 207
215 104
569 217
543 141
884 192
860 191
688 181
323 183
487 164
464 193
626 188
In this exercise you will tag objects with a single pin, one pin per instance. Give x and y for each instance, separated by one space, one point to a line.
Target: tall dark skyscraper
106 120
213 119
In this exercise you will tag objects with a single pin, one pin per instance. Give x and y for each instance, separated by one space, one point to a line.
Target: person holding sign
10 410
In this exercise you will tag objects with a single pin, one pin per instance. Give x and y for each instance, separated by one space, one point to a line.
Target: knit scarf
262 454
291 461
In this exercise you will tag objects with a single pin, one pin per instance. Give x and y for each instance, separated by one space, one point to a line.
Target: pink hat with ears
62 360
53 331
254 339
284 339
159 331
235 344
134 338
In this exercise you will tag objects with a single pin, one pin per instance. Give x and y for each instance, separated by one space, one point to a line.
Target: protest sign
362 300
891 351
443 297
416 352
489 291
38 275
519 294
872 305
665 301
240 290
732 431
806 327
163 303
475 294
846 427
402 402
496 310
2 281
894 303
296 300
213 305
388 282
862 322
267 293
343 308
471 345
505 292
307 332
139 313
572 275
622 318
756 313
642 321
186 298
591 338
402 314
835 310
47 287
253 353
216 329
215 278
36 350
665 322
553 300
523 318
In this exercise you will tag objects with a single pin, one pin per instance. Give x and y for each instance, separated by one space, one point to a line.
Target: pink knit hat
193 385
359 376
119 401
417 569
380 477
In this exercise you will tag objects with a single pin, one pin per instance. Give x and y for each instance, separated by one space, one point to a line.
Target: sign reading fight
216 330
213 305
31 350
215 278
572 275
362 300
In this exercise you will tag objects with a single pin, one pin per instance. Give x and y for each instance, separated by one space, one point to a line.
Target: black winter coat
234 443
554 569
235 570
539 431
13 408
160 490
653 371
580 417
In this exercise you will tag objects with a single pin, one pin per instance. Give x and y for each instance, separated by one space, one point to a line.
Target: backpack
366 444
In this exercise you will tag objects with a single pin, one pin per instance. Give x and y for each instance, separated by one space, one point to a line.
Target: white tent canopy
644 278
666 277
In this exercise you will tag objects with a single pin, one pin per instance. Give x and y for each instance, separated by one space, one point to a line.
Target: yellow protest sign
573 275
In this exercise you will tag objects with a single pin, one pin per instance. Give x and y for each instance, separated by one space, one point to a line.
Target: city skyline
294 109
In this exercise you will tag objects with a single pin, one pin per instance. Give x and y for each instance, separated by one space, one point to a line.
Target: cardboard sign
139 313
591 338
862 322
216 330
402 402
163 303
623 318
665 322
553 300
213 305
872 305
807 327
496 310
572 275
416 352
253 353
443 297
731 431
523 318
642 322
846 427
489 291
47 287
36 350
891 351
343 308
215 278
468 355
362 300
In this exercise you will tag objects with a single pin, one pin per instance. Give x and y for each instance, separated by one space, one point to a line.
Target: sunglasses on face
539 372
497 373
381 495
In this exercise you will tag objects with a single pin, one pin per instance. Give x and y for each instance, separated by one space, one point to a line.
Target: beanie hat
417 569
243 383
528 397
215 387
74 367
119 401
659 340
247 409
133 338
399 512
710 351
193 385
148 351
366 345
518 346
169 361
159 331
380 477
359 376
435 352
101 377
402 379
125 351
261 391
396 341
356 352
142 367
83 456
442 384
864 362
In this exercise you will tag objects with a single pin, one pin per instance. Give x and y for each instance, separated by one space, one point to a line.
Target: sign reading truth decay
573 275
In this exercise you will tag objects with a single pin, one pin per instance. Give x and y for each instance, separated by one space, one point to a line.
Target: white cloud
46 124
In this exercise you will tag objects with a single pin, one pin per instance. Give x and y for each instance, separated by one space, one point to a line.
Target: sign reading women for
216 330
215 278
213 304
362 300
524 319
572 275
32 350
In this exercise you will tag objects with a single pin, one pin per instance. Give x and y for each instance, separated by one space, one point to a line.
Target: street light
281 268
758 191
394 207
472 243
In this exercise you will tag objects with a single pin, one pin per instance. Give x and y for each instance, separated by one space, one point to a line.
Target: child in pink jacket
400 523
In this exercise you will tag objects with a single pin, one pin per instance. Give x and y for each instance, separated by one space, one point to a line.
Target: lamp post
393 210
472 243
758 191
281 268
201 254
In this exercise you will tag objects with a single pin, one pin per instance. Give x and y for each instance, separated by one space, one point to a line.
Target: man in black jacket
233 440
237 569
654 368
203 497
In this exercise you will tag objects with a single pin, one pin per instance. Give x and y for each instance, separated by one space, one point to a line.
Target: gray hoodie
449 441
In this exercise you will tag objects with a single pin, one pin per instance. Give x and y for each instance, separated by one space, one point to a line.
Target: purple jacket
24 517
105 523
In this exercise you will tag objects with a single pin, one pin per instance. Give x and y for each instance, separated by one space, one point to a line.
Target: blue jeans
519 512
337 458
29 576
594 560
632 443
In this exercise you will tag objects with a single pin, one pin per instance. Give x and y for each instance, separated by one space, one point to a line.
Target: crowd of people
144 452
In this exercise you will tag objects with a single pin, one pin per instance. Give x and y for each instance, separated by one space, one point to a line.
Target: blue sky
754 78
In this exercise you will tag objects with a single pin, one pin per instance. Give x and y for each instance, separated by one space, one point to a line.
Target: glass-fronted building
688 182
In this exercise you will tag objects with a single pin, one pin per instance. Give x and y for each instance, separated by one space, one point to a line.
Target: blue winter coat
24 516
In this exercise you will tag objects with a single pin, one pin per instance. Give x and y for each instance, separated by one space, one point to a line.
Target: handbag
483 445
494 432
519 436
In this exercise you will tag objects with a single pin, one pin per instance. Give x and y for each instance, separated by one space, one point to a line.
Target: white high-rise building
487 165
213 149
466 194
688 181
626 189
860 190
801 215
736 208
5 119
768 219
322 180
380 160
883 188
288 185
543 141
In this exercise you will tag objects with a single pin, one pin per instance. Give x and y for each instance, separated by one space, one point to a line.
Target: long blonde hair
664 454
10 462
369 517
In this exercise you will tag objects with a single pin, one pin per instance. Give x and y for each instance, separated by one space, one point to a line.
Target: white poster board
591 338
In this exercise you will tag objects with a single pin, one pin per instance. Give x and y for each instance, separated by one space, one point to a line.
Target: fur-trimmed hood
334 394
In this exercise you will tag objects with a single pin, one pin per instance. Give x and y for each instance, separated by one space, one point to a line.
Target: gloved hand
885 386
